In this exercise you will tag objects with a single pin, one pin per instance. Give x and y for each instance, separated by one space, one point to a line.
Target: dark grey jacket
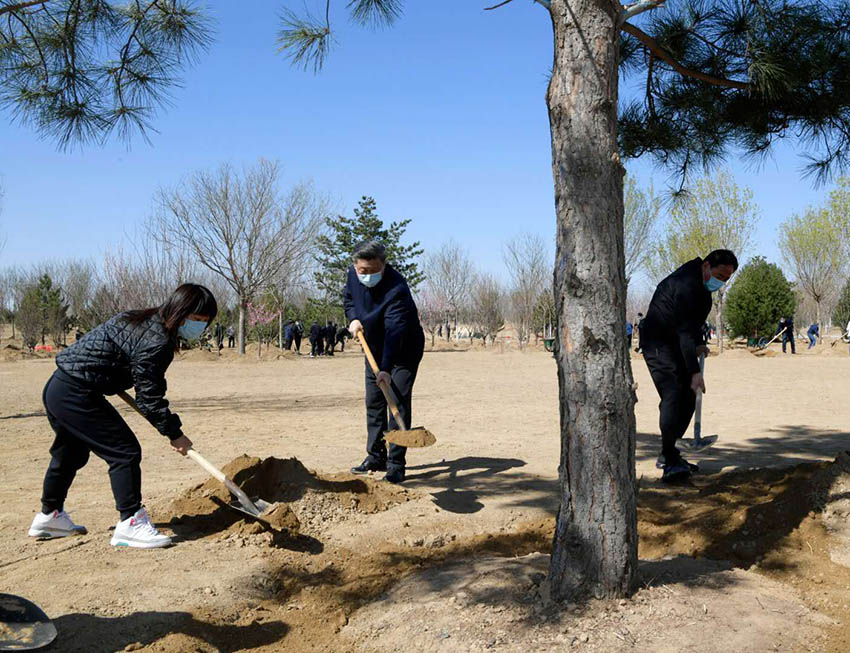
117 355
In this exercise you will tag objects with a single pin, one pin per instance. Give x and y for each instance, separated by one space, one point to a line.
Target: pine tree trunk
595 544
241 327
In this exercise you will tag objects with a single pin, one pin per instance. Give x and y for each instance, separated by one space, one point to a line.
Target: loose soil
303 502
751 555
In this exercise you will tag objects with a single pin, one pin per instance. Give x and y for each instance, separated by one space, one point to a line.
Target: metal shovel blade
260 505
23 625
704 443
418 436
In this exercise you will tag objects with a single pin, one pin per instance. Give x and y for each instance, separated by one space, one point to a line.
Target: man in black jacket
315 339
341 334
378 302
297 334
671 339
786 328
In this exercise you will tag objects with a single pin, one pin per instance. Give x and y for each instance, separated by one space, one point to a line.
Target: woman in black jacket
130 349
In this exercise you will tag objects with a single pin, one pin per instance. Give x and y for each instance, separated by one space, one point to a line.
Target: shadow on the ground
363 579
471 480
788 445
24 415
740 516
86 633
683 569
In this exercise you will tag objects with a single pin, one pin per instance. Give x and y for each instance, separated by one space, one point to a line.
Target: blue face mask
713 285
191 330
371 280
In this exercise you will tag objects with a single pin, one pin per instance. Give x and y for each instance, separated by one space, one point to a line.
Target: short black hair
369 250
722 257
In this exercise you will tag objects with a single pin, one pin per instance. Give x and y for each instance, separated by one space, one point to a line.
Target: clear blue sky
442 119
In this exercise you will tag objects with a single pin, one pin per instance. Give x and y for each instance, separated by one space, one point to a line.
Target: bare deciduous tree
487 314
640 213
449 275
811 245
530 272
238 226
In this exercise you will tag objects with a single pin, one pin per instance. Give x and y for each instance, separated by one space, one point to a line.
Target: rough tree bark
240 334
595 544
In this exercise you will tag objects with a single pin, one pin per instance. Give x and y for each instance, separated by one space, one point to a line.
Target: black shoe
660 464
369 466
395 476
676 472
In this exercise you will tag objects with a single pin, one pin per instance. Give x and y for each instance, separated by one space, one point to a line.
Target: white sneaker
137 531
56 524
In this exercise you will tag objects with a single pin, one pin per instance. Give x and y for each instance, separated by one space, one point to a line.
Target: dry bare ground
752 555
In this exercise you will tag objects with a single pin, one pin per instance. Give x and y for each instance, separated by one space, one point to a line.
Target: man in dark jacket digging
671 340
378 302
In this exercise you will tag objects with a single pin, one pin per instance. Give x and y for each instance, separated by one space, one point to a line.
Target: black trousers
377 419
230 341
329 346
297 343
673 382
786 340
85 422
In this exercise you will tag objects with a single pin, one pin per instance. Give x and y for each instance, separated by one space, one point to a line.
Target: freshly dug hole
305 502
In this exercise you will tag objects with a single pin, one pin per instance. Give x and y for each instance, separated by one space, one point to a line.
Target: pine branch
4 9
662 54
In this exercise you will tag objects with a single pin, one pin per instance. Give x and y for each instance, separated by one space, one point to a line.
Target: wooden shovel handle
213 471
374 365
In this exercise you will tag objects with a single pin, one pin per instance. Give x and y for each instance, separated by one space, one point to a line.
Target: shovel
403 436
23 625
699 443
252 507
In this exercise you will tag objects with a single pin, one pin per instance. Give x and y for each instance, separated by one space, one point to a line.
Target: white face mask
370 280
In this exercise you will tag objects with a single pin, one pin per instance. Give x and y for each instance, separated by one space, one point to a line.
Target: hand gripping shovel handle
214 471
374 365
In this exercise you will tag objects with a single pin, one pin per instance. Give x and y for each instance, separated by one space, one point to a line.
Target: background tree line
270 255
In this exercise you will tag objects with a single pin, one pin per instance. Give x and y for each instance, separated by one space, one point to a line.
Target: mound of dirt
840 349
305 502
767 353
836 513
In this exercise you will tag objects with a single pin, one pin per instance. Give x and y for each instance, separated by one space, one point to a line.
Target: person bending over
131 349
671 338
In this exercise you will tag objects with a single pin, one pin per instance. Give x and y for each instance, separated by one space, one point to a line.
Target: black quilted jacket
117 355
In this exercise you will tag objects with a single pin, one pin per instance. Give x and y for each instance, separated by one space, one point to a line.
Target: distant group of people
324 339
219 332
